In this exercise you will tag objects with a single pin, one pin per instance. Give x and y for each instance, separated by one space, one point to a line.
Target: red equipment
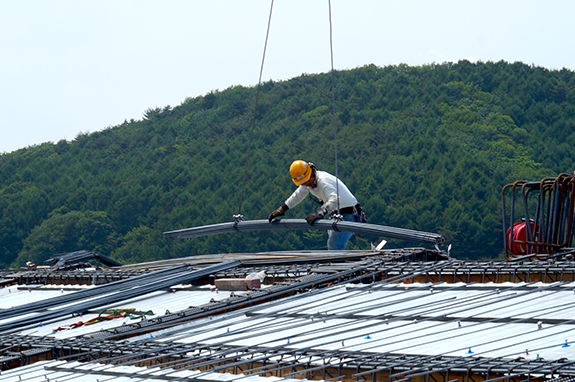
517 244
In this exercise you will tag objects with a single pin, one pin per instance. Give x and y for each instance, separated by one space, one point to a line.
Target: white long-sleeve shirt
326 192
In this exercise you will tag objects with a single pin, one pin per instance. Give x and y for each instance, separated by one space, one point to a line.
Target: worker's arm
299 194
297 197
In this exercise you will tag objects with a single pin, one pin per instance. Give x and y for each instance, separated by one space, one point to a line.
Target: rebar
294 224
551 229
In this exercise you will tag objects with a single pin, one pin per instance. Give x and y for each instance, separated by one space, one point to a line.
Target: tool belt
347 210
357 210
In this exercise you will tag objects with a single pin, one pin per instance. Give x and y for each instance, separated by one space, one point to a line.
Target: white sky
70 66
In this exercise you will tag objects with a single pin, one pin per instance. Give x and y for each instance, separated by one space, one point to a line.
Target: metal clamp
237 218
336 218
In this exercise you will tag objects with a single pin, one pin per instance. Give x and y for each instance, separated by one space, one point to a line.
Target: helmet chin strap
313 174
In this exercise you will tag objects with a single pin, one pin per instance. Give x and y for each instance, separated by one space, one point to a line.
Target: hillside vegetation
426 148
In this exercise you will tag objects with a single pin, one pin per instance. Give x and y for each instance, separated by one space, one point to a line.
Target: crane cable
333 109
239 216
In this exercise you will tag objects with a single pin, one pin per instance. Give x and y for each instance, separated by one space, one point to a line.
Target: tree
68 232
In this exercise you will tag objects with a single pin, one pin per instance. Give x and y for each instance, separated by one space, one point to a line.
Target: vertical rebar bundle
546 227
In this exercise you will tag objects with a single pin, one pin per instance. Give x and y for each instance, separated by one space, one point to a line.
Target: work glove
311 218
279 212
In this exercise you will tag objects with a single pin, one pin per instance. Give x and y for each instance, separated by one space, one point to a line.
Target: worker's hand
311 218
279 212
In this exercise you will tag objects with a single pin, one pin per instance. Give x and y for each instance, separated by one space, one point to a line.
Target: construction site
404 314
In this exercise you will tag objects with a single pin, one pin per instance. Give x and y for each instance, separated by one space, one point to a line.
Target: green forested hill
426 148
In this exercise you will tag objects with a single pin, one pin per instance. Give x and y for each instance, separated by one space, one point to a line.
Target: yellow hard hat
300 172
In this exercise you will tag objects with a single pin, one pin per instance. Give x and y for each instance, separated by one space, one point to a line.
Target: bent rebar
552 228
292 224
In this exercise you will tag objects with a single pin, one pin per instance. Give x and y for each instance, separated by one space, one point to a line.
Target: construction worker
325 188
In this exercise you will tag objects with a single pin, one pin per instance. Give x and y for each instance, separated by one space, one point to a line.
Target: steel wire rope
255 111
333 106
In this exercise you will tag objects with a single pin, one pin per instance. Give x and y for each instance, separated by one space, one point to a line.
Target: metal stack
79 302
63 259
